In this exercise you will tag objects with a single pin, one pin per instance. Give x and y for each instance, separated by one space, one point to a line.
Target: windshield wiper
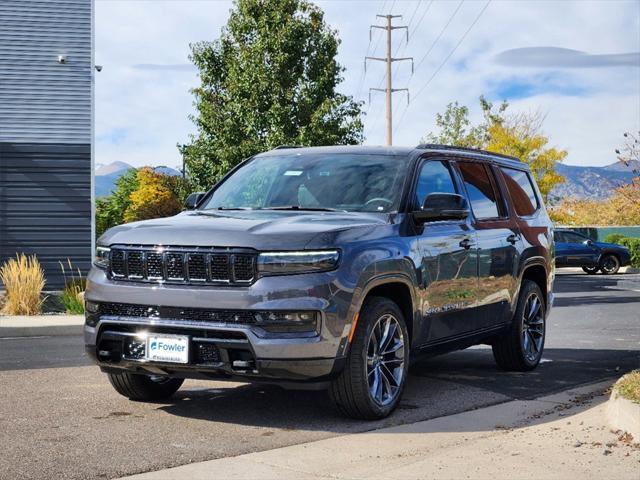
307 209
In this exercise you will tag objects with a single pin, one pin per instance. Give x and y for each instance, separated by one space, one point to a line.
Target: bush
74 286
23 280
633 244
613 238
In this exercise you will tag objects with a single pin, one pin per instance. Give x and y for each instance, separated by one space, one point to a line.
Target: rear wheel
146 388
591 270
373 379
609 264
520 349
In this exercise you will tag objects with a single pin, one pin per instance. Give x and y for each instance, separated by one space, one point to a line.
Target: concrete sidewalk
40 325
555 437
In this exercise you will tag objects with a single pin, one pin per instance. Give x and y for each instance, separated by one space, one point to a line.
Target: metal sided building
46 132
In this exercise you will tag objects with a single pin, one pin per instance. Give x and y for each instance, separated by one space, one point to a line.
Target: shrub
613 238
74 286
23 280
633 244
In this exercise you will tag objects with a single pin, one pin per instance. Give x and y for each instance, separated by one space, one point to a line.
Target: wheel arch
397 288
536 270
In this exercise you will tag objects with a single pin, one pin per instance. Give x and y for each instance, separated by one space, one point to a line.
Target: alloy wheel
532 327
385 360
610 264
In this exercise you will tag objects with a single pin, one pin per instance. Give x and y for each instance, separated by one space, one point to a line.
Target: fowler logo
166 347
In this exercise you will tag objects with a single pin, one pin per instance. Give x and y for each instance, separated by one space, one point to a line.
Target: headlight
281 263
102 257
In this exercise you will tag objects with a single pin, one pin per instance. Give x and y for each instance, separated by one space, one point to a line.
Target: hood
610 245
261 230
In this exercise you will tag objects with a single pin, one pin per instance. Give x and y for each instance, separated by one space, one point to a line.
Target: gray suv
327 268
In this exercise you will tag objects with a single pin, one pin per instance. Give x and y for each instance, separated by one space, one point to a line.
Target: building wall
46 132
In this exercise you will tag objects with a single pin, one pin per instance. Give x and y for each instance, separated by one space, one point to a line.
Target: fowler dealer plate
167 348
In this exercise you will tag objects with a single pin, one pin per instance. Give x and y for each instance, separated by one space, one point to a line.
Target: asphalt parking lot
59 417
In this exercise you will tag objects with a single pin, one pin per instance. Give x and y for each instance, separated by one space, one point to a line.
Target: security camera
99 68
62 59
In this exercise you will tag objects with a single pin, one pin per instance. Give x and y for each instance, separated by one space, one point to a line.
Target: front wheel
374 376
609 264
520 349
145 388
591 270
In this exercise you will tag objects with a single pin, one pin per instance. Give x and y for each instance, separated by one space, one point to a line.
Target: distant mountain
106 176
167 171
594 183
112 168
619 166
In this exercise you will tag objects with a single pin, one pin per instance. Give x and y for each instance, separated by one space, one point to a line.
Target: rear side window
521 189
434 177
480 189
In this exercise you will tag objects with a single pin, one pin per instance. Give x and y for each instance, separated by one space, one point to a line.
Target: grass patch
629 386
74 285
23 280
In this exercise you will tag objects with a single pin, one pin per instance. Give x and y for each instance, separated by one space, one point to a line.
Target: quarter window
521 190
434 177
480 189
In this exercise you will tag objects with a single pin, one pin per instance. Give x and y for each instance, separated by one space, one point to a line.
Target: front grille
182 265
176 313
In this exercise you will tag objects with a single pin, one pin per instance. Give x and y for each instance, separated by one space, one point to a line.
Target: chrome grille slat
183 265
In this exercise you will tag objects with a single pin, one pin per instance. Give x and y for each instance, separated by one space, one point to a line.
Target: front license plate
167 348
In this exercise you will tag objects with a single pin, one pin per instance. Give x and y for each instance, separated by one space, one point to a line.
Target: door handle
466 243
512 239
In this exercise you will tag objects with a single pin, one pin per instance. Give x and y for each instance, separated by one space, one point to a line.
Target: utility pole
389 27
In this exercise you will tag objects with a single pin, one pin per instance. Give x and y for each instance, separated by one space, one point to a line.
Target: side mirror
192 200
442 206
588 242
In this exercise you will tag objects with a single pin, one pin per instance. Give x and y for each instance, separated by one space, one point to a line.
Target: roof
400 151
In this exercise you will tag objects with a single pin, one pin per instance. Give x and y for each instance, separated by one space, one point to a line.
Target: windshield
347 182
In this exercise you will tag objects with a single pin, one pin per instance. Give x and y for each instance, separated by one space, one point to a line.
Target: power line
437 39
363 69
424 14
446 59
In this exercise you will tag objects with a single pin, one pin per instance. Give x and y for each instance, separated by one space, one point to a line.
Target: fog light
91 313
287 322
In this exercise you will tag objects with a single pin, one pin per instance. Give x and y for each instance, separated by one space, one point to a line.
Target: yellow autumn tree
152 198
520 136
622 208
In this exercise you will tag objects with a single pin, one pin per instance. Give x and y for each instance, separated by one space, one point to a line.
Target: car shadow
569 283
436 387
594 300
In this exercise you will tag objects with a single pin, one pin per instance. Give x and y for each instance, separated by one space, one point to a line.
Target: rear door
498 243
576 250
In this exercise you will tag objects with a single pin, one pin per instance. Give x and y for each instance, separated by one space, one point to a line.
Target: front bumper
241 350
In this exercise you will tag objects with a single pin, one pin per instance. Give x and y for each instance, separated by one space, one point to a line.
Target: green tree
269 80
519 135
110 210
141 194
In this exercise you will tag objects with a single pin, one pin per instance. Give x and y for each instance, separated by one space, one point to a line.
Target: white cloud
143 99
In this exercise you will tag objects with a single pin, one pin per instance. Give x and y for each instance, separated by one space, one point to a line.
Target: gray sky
577 62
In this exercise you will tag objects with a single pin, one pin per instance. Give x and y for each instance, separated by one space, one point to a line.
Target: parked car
327 268
576 250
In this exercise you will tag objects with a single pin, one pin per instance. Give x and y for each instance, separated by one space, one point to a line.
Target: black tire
591 270
609 264
144 388
511 351
350 392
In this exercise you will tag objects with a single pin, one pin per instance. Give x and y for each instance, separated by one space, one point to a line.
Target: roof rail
437 146
284 147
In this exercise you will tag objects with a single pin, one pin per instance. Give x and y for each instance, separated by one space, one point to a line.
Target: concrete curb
623 414
392 452
41 325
